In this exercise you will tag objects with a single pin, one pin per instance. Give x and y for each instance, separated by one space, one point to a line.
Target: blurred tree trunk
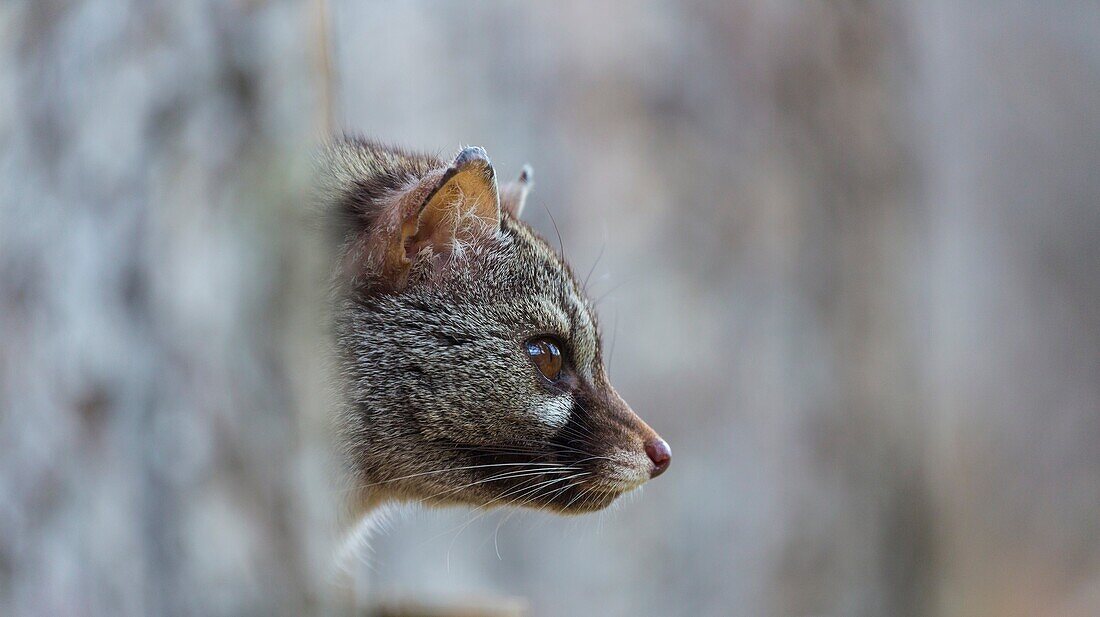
843 118
153 303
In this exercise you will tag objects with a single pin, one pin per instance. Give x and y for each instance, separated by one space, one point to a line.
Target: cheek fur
552 410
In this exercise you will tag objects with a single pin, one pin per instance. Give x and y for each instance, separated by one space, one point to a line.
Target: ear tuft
514 194
472 155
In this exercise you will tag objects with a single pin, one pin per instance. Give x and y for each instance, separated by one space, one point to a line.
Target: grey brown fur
440 402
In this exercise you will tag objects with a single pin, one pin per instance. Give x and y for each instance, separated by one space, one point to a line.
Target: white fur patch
631 469
553 410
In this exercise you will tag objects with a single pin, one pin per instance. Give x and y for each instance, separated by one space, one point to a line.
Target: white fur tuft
553 410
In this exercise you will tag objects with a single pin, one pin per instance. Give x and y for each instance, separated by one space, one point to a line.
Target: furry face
470 358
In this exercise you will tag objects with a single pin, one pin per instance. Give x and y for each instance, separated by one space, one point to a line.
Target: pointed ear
449 206
513 195
465 195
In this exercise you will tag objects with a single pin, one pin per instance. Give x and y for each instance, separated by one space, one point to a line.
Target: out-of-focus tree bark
1011 143
153 292
841 117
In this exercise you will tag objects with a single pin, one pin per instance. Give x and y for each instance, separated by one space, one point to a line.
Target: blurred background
847 256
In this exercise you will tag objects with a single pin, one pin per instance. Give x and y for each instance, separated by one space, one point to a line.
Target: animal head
469 356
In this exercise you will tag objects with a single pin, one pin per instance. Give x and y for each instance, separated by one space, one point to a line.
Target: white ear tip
472 154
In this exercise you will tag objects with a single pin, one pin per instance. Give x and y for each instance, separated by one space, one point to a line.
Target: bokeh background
847 256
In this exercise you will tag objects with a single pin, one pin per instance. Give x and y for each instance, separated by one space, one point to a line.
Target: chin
586 499
594 505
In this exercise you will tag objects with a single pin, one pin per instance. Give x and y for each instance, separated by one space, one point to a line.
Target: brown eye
545 352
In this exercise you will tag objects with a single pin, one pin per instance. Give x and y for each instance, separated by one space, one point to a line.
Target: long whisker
558 491
486 507
497 477
527 495
517 447
580 433
525 491
450 469
609 291
593 268
561 245
578 496
475 518
580 424
532 442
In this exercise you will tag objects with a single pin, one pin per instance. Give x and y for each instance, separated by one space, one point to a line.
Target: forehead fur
520 280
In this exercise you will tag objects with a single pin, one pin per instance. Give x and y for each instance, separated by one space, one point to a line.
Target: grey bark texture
153 157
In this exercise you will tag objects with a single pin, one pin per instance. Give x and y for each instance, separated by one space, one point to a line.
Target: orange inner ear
466 204
476 194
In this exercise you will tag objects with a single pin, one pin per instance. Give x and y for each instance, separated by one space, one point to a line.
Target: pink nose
661 455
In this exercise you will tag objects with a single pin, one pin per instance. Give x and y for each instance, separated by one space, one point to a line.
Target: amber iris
545 352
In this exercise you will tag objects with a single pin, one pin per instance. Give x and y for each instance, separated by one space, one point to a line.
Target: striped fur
440 402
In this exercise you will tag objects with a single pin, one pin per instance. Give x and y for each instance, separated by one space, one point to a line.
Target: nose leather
660 454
